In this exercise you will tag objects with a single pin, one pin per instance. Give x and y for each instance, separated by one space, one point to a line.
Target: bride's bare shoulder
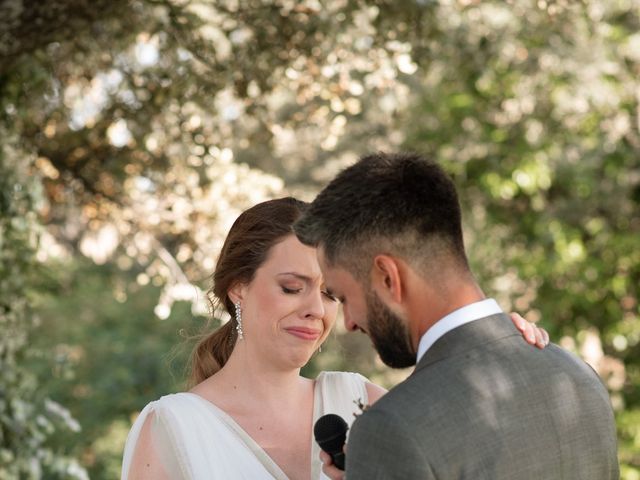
146 461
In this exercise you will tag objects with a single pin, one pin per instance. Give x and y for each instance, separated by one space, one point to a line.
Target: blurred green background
132 133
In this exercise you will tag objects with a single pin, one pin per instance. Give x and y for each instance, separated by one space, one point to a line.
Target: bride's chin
299 359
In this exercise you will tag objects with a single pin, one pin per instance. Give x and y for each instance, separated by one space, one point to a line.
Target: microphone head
330 432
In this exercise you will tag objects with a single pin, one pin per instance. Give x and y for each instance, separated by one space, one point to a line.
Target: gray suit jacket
483 404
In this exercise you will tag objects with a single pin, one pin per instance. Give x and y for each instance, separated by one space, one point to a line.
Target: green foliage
29 421
539 133
109 357
150 130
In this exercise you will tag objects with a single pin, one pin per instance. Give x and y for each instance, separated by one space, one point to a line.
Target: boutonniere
363 407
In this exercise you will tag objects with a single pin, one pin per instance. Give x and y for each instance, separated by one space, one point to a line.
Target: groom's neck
440 299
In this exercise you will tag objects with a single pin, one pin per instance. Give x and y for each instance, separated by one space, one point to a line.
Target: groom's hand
328 468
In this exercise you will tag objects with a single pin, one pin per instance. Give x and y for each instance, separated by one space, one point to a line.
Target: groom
480 403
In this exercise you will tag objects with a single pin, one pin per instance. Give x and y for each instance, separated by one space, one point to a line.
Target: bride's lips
304 333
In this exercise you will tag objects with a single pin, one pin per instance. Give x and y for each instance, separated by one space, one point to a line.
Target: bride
250 414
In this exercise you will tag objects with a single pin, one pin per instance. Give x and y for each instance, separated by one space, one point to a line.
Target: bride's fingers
518 321
539 340
542 337
534 335
329 469
530 333
527 329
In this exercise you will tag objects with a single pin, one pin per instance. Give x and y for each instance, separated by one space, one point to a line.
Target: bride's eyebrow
299 276
304 278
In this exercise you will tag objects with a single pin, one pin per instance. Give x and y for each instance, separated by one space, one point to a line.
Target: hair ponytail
212 352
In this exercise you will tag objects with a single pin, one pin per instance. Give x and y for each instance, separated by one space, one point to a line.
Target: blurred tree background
133 132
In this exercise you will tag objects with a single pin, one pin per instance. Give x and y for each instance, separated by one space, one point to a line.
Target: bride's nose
314 306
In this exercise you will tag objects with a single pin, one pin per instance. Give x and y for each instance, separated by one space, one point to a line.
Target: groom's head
388 230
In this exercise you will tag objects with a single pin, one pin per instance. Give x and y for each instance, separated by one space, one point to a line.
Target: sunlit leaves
537 120
28 420
151 130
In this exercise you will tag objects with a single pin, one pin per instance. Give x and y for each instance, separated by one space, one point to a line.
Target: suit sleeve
381 447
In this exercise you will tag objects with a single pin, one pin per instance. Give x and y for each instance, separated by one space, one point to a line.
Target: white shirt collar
466 314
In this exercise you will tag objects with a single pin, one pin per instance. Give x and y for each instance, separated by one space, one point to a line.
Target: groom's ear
387 278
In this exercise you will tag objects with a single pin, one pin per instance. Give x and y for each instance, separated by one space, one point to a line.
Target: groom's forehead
322 258
328 266
335 276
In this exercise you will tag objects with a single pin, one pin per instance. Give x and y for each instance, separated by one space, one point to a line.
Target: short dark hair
402 203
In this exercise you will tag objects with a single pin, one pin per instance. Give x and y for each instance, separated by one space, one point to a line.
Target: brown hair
245 249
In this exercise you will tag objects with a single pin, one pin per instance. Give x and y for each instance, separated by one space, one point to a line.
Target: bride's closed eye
290 291
294 290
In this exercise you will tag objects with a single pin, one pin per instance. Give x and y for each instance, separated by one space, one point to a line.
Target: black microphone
331 432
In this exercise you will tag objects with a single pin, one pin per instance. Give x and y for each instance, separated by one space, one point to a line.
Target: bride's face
286 311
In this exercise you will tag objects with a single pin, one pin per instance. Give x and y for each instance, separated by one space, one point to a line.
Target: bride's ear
237 292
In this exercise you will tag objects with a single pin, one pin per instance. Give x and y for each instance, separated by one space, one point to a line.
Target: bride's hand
534 335
328 468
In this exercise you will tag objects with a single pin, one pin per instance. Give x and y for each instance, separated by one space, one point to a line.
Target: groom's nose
349 323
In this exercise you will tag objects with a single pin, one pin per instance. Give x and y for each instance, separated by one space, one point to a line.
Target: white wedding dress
197 440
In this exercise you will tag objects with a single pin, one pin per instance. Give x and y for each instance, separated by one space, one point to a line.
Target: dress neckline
269 463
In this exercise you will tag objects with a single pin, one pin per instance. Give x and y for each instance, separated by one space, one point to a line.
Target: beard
390 336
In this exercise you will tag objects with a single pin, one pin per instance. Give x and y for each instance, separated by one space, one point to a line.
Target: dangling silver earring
320 349
239 321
